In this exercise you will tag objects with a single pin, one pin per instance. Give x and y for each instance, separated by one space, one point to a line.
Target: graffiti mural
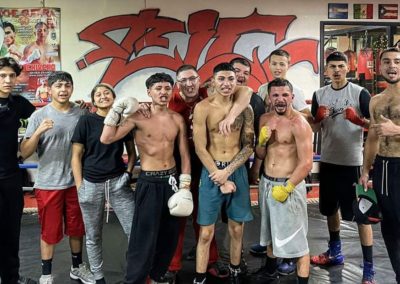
136 42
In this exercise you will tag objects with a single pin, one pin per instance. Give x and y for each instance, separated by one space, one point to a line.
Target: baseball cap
366 209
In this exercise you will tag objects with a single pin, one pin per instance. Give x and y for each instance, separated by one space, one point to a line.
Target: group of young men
204 150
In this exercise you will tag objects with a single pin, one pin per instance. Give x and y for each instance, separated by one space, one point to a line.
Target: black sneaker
263 276
169 277
235 276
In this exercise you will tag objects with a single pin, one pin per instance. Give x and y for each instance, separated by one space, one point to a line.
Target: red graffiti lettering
145 41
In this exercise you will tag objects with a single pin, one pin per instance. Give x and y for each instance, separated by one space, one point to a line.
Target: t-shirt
100 162
299 102
185 109
342 140
12 109
54 147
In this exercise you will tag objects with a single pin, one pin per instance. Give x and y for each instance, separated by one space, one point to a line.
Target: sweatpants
386 184
92 197
11 206
154 230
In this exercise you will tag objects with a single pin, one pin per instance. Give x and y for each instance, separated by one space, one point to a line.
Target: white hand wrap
184 181
120 110
180 204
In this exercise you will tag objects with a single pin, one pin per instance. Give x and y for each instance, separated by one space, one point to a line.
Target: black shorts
337 190
386 183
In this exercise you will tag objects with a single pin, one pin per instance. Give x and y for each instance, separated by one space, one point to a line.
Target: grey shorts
284 225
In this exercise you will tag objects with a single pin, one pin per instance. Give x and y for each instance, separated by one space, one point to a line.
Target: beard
392 82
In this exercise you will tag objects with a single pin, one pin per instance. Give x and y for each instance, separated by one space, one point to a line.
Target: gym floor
115 244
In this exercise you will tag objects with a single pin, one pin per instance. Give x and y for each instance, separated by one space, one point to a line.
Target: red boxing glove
352 116
322 113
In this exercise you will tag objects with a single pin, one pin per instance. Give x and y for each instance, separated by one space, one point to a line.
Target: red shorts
56 206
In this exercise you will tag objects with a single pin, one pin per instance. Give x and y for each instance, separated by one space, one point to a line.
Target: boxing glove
180 204
352 116
265 134
322 113
120 110
281 192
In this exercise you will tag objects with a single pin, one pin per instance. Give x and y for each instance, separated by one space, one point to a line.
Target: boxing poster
32 37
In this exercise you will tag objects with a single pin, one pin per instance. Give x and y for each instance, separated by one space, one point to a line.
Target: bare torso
155 139
388 106
281 159
222 148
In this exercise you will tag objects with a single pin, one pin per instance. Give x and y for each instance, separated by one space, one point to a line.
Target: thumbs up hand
386 127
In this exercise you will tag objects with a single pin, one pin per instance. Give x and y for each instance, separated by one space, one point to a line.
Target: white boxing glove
180 204
121 109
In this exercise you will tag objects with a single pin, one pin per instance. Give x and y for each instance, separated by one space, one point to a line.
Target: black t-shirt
12 109
100 162
258 107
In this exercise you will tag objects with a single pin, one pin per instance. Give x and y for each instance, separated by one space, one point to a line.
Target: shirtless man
224 176
383 146
285 145
154 230
37 51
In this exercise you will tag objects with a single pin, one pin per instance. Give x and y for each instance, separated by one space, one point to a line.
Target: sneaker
286 267
191 254
333 256
263 276
46 279
199 282
83 274
368 273
26 280
235 276
218 270
169 277
258 250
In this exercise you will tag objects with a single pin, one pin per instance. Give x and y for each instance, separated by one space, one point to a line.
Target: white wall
76 15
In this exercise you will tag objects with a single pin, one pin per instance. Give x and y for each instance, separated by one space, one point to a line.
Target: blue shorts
238 207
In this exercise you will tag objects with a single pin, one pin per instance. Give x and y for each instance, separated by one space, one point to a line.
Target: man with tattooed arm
224 176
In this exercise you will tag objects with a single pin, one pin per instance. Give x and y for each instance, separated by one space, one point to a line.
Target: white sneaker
46 279
83 274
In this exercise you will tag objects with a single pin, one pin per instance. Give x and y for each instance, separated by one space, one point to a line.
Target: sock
334 236
46 266
76 259
367 253
200 277
101 281
271 264
302 280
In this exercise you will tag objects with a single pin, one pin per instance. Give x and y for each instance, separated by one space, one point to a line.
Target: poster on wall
363 11
338 11
32 37
388 11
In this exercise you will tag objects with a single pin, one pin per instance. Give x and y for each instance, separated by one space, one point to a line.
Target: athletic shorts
386 183
286 224
237 204
56 207
337 190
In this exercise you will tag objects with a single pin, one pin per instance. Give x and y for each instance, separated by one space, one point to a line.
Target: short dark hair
105 85
390 49
157 78
242 61
185 67
40 24
59 76
278 82
224 66
280 52
12 63
8 24
336 56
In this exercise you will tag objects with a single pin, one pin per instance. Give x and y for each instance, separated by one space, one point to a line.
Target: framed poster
363 11
32 37
338 11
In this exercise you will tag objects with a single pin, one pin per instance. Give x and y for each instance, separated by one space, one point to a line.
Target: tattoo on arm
247 139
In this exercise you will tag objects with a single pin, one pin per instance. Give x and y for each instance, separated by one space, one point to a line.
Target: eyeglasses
185 81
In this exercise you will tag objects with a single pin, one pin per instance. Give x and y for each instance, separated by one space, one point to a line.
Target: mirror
362 43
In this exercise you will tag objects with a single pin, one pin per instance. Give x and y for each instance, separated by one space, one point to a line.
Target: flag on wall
363 11
32 37
388 11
